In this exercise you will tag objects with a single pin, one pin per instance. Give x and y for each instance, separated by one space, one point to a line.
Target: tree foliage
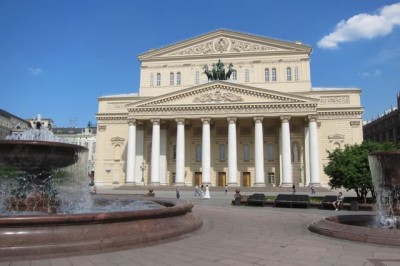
349 168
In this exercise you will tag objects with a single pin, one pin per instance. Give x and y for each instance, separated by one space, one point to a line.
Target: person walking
294 189
207 193
226 189
178 195
196 191
312 189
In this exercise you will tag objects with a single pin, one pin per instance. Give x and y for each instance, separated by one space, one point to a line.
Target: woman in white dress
207 193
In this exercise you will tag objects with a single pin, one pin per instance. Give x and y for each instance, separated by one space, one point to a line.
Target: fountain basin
25 237
38 156
355 228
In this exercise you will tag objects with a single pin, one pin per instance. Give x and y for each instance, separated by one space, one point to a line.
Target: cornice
328 115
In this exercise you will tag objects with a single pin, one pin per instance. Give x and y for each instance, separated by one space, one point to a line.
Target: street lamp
142 168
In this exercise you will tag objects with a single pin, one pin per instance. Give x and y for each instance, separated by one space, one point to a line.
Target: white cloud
374 73
35 71
363 26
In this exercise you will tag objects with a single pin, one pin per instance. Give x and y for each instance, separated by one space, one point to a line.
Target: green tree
349 168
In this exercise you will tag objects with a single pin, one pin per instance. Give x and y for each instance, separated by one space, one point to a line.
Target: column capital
206 120
132 122
285 118
312 118
180 121
258 119
155 121
231 119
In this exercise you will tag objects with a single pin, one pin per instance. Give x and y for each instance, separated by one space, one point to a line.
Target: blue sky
58 57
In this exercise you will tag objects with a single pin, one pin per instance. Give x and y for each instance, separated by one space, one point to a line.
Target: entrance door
246 179
221 179
197 179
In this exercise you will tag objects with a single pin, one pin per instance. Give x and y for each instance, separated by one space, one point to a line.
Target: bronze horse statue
218 71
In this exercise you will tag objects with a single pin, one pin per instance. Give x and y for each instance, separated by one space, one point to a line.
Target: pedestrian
207 193
294 189
312 189
196 191
177 193
338 201
226 189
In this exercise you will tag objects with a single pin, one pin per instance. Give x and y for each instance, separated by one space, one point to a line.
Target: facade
256 121
11 125
385 128
45 122
81 136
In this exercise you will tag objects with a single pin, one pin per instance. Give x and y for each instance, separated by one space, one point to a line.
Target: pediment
225 42
221 93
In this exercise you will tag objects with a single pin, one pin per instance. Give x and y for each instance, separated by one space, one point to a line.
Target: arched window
246 152
198 152
271 152
288 74
197 78
151 79
296 73
246 75
171 78
234 75
273 77
266 74
178 78
158 79
222 152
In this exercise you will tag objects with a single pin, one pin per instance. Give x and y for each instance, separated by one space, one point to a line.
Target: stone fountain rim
174 207
43 142
331 226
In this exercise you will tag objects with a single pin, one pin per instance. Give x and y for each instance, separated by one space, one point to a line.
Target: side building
11 125
224 108
385 128
81 136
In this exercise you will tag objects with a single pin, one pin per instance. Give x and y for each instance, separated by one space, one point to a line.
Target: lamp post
142 168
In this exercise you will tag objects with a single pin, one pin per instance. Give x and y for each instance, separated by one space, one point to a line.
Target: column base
156 184
233 185
259 185
286 184
130 184
314 184
180 184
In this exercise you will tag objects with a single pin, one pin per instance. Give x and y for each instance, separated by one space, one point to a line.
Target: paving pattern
241 235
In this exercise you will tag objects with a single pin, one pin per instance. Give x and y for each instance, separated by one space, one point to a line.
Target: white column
155 153
232 153
163 156
314 154
259 152
139 162
307 155
287 179
130 158
206 151
180 152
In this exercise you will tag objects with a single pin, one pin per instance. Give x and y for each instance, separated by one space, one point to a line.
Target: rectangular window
158 79
151 79
246 153
234 75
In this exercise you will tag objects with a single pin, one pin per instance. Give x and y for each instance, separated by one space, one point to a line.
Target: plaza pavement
239 235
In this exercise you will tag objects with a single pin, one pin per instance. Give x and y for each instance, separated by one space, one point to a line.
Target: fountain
42 216
381 228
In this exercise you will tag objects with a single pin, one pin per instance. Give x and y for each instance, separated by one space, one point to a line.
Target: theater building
224 108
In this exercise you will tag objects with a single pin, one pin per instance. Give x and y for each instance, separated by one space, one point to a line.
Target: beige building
264 125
